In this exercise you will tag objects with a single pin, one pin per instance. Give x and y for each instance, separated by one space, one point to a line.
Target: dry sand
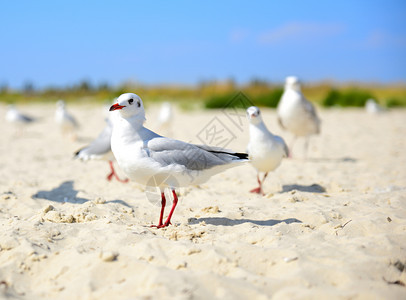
332 226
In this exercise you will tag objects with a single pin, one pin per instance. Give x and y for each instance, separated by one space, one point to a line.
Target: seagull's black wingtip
236 154
77 152
241 155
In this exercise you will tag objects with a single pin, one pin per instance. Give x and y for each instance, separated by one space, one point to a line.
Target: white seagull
372 107
13 115
16 117
100 149
295 113
64 119
265 150
165 115
154 160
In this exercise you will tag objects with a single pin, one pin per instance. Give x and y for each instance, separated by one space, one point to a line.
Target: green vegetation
212 94
357 98
395 102
220 101
269 99
352 97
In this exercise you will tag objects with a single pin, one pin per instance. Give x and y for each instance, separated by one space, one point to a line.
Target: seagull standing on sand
265 150
16 117
372 107
295 113
65 120
13 115
151 159
100 149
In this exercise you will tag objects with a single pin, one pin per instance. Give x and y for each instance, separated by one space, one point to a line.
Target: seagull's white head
60 103
254 115
292 82
129 105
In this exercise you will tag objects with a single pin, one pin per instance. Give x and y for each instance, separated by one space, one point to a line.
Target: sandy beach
332 226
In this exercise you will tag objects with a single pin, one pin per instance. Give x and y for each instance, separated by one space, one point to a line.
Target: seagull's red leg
113 173
263 179
175 201
161 216
110 176
257 190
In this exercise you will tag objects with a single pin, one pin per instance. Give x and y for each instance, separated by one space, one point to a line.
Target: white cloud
300 30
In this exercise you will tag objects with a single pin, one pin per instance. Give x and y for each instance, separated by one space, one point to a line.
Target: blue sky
57 43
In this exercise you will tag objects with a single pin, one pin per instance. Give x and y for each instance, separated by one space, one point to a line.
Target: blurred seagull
372 107
16 117
100 149
65 120
13 115
165 114
154 160
296 114
265 150
165 117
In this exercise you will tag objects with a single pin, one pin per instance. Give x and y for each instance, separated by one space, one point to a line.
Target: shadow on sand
229 222
65 193
340 159
313 188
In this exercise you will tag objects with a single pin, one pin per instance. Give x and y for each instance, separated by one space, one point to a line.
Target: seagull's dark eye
138 103
130 101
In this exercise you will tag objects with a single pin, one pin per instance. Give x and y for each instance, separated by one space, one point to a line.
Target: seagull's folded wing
100 146
26 118
71 119
310 110
193 157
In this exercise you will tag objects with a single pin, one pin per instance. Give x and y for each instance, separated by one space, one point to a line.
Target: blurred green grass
215 94
351 97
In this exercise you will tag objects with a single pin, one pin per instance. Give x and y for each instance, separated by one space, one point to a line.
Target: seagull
100 149
16 117
265 150
372 107
65 120
13 115
154 160
165 115
295 113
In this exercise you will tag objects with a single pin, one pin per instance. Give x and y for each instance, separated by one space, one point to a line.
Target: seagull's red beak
116 106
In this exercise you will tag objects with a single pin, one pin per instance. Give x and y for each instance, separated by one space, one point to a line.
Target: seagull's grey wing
309 108
71 119
281 123
194 157
311 112
26 118
100 146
